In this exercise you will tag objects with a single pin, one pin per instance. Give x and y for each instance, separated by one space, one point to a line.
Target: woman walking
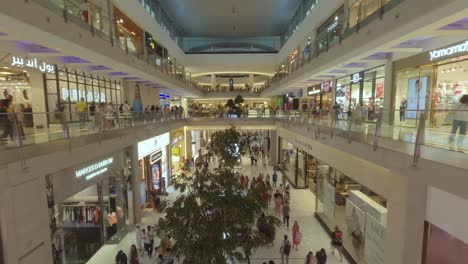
310 258
134 255
297 235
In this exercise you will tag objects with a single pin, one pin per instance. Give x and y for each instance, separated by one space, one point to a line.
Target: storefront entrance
89 206
435 88
360 214
154 168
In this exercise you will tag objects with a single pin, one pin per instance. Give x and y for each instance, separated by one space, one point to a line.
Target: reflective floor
302 210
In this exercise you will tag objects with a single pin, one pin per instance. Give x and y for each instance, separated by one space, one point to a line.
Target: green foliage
230 103
214 217
239 99
227 145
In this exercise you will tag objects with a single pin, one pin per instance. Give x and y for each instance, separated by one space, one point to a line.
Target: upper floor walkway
413 139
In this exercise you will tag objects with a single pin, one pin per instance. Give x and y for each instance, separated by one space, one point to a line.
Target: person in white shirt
127 113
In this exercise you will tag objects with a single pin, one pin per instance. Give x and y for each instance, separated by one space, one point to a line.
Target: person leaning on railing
460 119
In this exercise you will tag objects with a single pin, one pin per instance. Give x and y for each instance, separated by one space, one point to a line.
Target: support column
188 144
251 82
345 14
333 91
273 147
388 113
213 81
136 184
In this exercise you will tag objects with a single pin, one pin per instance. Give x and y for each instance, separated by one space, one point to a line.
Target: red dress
296 235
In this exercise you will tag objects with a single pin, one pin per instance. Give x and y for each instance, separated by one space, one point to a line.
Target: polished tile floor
302 210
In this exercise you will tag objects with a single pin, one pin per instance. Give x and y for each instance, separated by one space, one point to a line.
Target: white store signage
375 239
32 63
75 95
357 77
453 50
95 169
153 144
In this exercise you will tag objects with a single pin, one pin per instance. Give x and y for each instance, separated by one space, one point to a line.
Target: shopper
134 259
150 241
310 258
286 211
127 113
109 115
80 108
321 256
121 258
84 11
297 235
92 113
145 239
274 178
460 119
337 242
285 250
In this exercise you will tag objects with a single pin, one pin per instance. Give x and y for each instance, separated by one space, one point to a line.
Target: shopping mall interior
110 108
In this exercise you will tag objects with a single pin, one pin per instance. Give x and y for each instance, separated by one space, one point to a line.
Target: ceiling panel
229 18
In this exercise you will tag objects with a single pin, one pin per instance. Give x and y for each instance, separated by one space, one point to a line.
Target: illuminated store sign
76 95
94 170
316 89
441 53
155 157
32 63
357 77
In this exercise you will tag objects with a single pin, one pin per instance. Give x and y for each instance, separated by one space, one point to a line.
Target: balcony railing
413 137
325 42
101 25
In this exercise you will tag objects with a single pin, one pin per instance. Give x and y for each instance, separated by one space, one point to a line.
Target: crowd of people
145 247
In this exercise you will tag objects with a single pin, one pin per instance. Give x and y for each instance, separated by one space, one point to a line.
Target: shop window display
329 33
364 88
294 164
364 8
357 211
66 87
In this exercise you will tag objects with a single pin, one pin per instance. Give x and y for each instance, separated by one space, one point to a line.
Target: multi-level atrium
361 106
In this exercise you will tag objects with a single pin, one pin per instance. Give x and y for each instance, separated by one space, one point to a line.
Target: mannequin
403 106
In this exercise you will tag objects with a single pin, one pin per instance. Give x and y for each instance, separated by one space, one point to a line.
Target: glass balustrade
95 17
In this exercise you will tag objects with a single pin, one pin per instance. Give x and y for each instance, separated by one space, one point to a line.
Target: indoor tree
214 218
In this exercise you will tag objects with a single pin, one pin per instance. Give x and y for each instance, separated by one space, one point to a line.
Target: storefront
360 214
154 51
89 205
154 168
433 81
293 163
21 78
129 35
365 88
65 87
320 96
361 9
177 149
329 33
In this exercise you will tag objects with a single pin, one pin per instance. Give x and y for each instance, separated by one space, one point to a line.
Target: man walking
274 177
285 250
286 210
